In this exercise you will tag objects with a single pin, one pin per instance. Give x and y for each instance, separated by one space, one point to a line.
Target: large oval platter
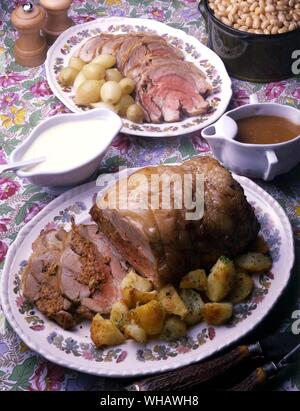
75 350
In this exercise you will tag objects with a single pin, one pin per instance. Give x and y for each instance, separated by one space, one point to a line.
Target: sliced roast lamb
167 87
142 55
172 88
113 44
93 47
73 275
40 285
110 291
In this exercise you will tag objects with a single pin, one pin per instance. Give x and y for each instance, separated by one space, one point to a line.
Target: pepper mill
30 48
57 19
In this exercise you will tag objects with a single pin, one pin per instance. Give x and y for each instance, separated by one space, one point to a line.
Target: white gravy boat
84 169
265 161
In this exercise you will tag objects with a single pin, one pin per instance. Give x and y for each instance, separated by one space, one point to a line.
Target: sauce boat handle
272 161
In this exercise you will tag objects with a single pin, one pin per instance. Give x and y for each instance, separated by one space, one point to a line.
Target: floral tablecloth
25 99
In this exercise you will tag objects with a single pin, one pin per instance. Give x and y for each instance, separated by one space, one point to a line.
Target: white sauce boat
265 161
83 169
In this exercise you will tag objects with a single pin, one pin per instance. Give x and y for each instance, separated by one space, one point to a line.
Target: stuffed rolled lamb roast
162 244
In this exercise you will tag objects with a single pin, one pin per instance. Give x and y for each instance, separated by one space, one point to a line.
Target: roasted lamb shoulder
162 244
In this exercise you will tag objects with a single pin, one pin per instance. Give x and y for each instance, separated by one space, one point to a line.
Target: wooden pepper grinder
57 19
30 48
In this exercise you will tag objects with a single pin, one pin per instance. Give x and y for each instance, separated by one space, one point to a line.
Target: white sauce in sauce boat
67 145
73 145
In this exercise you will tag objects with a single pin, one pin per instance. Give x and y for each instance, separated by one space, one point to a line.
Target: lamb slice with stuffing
73 275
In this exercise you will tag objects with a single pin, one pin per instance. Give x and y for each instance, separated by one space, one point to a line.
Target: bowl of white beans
256 39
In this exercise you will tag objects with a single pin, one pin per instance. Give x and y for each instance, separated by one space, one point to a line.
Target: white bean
259 16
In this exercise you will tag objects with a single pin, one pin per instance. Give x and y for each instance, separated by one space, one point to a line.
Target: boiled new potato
150 317
217 313
80 78
93 71
76 63
194 279
101 82
88 92
113 74
135 332
241 289
105 60
133 280
220 280
133 297
104 332
135 113
101 104
124 103
127 85
254 262
111 92
173 328
119 314
171 302
193 302
67 76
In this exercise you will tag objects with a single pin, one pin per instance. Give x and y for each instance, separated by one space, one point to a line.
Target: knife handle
256 378
189 376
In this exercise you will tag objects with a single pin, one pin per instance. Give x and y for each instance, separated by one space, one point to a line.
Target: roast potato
196 279
132 296
254 262
260 246
119 314
104 332
173 328
135 332
241 289
217 313
133 280
171 302
193 302
150 317
220 280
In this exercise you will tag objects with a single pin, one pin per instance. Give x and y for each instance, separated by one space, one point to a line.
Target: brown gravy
266 130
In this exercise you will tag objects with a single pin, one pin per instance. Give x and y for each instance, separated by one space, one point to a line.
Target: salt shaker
57 19
30 48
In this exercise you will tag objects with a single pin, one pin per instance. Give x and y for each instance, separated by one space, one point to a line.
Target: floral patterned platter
68 43
75 350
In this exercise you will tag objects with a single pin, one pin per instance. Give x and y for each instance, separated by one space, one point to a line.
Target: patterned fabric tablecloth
25 100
